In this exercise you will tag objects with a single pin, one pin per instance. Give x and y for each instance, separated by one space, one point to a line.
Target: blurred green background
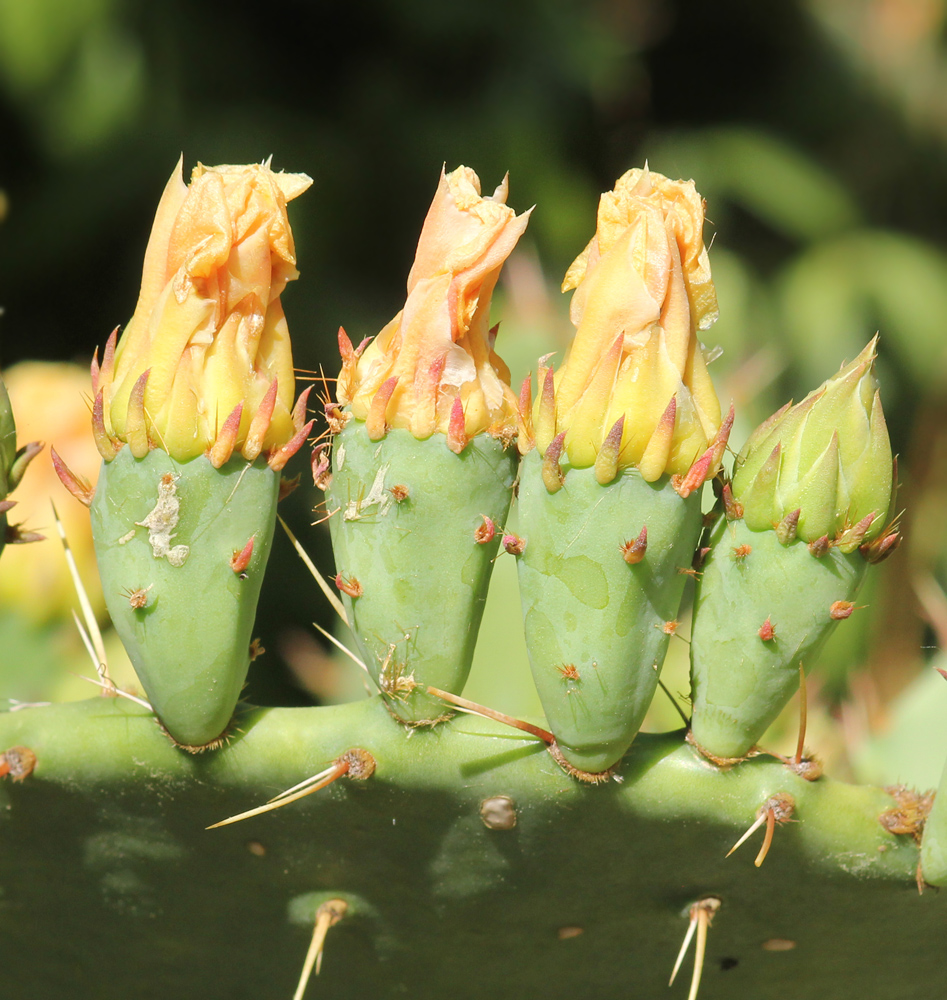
817 131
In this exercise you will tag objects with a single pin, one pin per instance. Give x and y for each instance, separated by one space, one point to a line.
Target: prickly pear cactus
392 859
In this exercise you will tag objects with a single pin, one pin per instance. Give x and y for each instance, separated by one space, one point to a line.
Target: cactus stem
465 705
457 428
356 763
329 914
485 532
260 422
241 559
633 551
525 441
222 449
18 762
78 486
136 430
280 456
701 915
606 462
545 427
551 470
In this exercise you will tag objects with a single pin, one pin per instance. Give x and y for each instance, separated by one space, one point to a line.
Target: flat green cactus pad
112 888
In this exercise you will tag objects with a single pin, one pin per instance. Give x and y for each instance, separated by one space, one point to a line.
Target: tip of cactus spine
633 551
551 470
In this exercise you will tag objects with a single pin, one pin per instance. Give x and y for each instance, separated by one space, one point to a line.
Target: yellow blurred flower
433 367
50 402
208 329
643 290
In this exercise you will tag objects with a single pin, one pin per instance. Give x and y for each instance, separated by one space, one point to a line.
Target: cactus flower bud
643 290
193 417
828 458
208 334
626 432
429 416
439 348
814 482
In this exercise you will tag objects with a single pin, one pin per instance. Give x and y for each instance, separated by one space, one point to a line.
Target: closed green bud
422 468
827 457
193 417
814 487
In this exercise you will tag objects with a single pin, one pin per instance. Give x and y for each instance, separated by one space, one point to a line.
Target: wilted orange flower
439 349
208 329
643 290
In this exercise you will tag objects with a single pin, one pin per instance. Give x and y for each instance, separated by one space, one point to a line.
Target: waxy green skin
739 681
190 643
422 572
934 842
585 607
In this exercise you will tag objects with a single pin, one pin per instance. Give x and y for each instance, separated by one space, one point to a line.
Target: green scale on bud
806 514
422 464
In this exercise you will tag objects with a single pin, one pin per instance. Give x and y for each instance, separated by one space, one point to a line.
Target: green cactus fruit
181 549
807 512
422 468
597 625
192 416
413 559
